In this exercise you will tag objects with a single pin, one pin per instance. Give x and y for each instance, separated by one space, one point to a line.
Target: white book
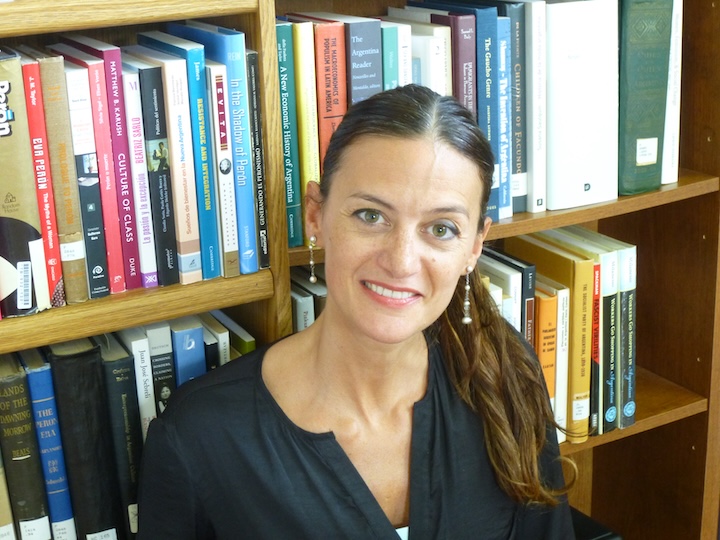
582 103
136 341
222 158
180 159
496 294
161 361
303 309
510 280
242 340
404 47
221 333
562 348
671 138
139 178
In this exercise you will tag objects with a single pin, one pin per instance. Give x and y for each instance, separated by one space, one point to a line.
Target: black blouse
224 462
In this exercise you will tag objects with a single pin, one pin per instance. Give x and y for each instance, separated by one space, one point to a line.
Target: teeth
388 293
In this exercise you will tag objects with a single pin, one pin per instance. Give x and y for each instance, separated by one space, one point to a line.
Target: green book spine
390 57
645 28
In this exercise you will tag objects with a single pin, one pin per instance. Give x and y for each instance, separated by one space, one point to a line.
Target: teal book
52 455
228 46
390 66
289 123
645 31
188 348
194 55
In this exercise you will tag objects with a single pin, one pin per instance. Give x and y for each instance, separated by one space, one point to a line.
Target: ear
313 210
479 242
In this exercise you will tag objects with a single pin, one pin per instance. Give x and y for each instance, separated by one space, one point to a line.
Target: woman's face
399 228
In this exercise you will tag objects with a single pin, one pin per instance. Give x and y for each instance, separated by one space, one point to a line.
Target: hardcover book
112 58
52 455
303 308
546 338
81 398
20 452
64 178
21 244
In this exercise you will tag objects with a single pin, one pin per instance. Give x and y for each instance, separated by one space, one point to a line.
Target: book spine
19 217
561 362
7 525
64 179
390 58
609 376
52 455
106 172
363 39
645 32
258 157
188 353
222 160
124 414
464 57
504 64
83 138
43 182
308 145
289 124
546 341
627 348
139 180
137 343
161 361
671 140
159 177
596 371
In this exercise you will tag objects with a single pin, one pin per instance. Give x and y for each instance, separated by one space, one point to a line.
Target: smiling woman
409 405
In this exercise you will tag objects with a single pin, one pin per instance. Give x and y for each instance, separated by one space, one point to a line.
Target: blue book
188 348
288 117
194 55
488 95
505 203
52 456
228 47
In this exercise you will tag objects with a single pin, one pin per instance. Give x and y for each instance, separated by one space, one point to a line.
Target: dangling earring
466 304
311 246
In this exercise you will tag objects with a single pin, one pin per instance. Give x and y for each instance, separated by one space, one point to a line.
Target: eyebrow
380 202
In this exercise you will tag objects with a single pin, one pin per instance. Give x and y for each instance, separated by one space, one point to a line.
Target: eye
369 216
443 231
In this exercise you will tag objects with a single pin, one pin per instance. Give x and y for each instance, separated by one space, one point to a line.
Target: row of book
74 416
129 167
579 100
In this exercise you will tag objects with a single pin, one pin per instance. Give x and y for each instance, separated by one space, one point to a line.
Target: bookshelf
657 479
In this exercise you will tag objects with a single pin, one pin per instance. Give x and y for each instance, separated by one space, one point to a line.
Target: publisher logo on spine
6 114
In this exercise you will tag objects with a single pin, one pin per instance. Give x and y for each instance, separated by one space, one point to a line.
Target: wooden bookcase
657 479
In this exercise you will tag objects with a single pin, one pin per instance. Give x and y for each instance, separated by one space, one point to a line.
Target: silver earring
466 303
313 277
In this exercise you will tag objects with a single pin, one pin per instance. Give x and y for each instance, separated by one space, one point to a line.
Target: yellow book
546 338
576 273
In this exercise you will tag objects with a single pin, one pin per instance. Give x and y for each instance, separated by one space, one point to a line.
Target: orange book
576 273
546 338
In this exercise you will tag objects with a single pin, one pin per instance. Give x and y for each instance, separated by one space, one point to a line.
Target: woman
409 405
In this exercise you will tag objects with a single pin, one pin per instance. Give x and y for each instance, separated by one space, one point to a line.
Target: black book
81 397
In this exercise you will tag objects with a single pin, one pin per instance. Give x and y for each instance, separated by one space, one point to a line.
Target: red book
112 58
106 170
43 178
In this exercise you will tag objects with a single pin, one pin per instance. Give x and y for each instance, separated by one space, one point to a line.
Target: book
363 40
104 159
527 293
582 74
7 525
510 279
240 339
112 58
50 446
671 131
81 398
139 178
604 347
64 177
86 165
645 32
258 157
228 46
289 124
222 159
301 277
562 292
52 292
20 452
162 208
188 349
396 54
176 153
136 341
162 362
303 309
212 350
21 244
124 414
546 312
194 55
221 333
576 273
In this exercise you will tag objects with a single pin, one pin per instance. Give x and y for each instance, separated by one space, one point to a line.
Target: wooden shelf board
28 17
131 308
659 402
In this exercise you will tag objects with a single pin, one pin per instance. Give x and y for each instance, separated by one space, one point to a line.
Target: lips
389 293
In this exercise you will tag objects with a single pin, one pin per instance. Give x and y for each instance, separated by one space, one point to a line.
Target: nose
401 252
